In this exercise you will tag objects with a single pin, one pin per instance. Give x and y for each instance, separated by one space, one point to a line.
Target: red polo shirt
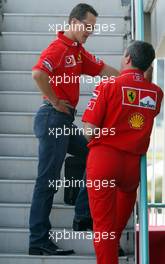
129 105
65 60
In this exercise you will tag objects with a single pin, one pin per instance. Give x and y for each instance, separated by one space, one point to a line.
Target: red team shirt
64 57
129 105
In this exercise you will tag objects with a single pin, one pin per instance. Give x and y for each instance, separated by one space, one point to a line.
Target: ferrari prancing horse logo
131 94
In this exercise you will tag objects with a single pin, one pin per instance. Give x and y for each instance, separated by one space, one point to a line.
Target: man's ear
127 59
148 74
73 21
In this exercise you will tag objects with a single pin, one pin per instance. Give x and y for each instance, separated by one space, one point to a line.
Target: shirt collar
66 40
132 71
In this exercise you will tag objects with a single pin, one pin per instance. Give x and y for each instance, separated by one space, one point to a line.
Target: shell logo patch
136 121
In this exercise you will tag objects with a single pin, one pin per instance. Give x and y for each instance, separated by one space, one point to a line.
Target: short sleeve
91 65
96 109
50 59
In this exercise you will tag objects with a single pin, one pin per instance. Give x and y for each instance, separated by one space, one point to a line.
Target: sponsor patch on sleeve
47 64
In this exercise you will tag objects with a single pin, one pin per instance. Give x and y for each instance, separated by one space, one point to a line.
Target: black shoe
121 252
49 249
83 225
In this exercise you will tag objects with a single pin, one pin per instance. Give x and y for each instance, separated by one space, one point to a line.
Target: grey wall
157 10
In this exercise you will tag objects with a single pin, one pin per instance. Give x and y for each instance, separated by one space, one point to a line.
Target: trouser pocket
41 122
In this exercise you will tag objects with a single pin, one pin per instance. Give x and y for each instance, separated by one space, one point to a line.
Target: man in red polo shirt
118 124
64 57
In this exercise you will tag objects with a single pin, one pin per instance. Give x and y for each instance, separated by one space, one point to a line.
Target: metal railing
1 14
143 214
138 34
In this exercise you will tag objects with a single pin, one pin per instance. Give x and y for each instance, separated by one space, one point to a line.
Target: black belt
73 111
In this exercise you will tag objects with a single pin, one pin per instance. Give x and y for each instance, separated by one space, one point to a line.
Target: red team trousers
111 206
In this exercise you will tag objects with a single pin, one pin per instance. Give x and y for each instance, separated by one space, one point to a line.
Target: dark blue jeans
52 152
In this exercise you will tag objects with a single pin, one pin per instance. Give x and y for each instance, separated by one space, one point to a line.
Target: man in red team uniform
124 113
64 57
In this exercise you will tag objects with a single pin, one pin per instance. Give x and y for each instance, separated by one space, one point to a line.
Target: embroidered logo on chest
70 61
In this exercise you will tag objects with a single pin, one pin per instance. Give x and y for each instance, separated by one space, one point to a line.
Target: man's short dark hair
80 11
142 54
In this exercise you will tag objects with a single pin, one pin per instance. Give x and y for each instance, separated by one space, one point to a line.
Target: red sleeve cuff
41 69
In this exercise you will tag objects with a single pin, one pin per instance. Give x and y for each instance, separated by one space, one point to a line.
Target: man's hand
42 80
62 106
